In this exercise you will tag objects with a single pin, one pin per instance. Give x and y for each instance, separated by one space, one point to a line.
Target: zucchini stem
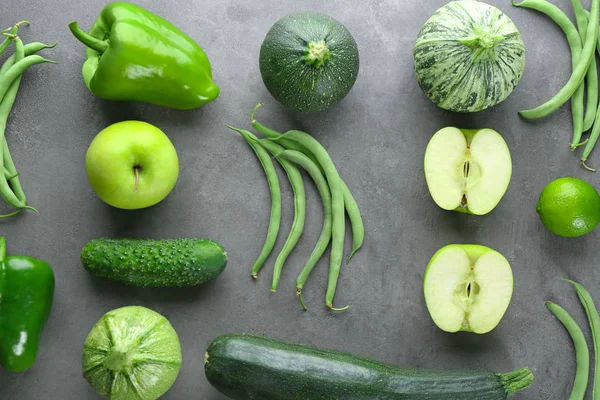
516 380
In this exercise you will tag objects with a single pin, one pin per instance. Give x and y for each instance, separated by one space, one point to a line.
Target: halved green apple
467 287
467 170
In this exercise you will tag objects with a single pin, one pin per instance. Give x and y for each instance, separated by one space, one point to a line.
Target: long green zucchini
249 367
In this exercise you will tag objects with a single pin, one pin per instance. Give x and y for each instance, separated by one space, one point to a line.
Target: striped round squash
468 56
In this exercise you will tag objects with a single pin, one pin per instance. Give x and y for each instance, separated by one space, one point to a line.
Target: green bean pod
575 45
11 194
29 49
350 204
10 36
17 70
356 222
578 73
592 313
297 184
582 353
274 188
591 78
325 237
337 205
591 143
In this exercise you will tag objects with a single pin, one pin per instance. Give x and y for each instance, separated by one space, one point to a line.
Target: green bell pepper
133 54
26 295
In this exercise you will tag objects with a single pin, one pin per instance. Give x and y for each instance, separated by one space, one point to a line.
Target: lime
569 207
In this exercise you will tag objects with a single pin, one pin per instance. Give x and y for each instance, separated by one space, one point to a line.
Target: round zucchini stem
317 53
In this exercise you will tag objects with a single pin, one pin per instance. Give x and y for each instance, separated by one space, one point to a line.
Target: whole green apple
132 165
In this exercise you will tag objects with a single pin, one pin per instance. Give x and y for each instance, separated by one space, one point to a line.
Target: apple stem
137 178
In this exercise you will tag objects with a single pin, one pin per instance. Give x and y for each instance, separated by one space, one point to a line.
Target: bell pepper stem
93 43
2 248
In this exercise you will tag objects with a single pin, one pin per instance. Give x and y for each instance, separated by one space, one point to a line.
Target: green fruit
467 170
467 288
569 207
247 367
154 263
132 165
468 56
132 353
309 61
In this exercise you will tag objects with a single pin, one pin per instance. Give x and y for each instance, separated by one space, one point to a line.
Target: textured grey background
376 136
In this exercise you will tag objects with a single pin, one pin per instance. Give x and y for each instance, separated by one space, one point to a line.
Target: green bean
323 242
9 194
578 73
593 139
12 214
275 219
9 175
358 229
591 142
295 179
592 313
17 70
14 194
350 204
29 49
337 207
591 79
7 41
575 45
10 34
582 353
5 108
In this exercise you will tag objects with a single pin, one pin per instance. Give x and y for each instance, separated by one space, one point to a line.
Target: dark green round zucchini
309 61
249 367
154 263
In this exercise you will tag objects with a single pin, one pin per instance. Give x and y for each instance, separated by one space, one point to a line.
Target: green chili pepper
133 54
26 294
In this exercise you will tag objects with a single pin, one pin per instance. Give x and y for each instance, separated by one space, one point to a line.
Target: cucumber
154 263
249 367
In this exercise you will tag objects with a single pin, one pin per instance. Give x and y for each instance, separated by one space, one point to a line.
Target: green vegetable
591 143
133 54
591 78
592 313
325 237
295 179
248 367
581 350
10 34
10 79
358 229
468 56
337 206
579 72
309 61
26 295
273 180
154 263
132 353
575 44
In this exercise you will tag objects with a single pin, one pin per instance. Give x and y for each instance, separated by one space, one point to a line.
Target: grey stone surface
377 137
